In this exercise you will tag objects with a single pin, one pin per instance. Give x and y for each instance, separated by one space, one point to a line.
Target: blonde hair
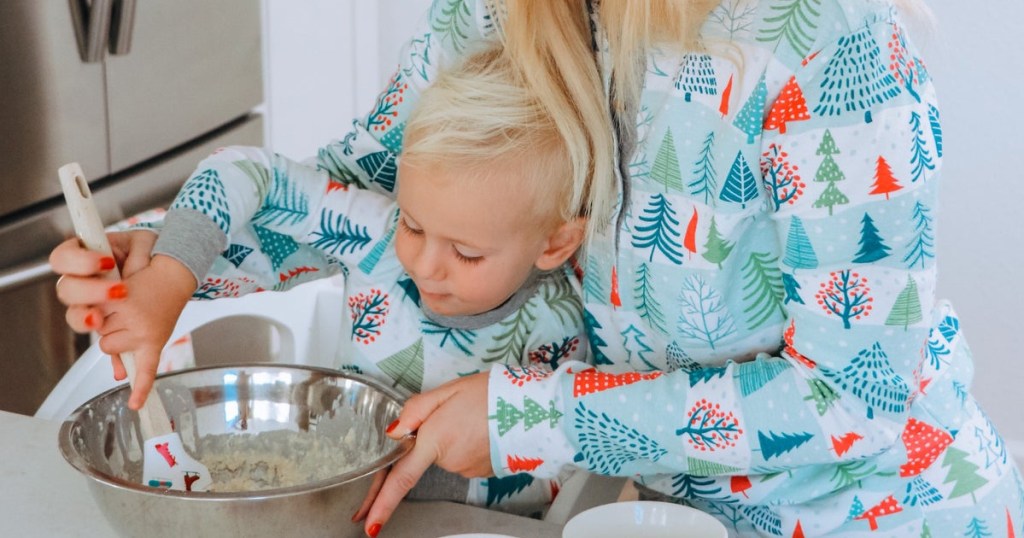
481 119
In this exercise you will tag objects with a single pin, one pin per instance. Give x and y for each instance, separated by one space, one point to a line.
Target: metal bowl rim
396 453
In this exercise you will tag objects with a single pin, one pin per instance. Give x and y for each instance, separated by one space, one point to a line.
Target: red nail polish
374 530
107 263
90 320
392 426
117 291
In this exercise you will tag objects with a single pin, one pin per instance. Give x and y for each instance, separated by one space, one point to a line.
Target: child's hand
136 315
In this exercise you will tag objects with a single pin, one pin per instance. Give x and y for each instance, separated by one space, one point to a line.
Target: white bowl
650 519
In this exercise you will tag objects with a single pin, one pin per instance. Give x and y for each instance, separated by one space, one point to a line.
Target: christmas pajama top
763 317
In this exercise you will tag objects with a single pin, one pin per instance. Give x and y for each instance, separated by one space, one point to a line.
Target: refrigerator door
53 108
193 66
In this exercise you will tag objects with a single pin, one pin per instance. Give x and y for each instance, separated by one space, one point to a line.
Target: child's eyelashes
404 226
472 260
408 229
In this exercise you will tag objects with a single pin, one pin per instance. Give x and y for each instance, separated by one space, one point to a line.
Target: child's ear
561 244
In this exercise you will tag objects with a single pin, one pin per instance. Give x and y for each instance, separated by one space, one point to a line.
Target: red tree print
723 107
887 507
690 239
710 428
790 106
845 295
368 311
787 338
215 288
925 443
783 183
592 380
519 464
885 183
519 376
614 298
842 444
903 66
740 483
387 103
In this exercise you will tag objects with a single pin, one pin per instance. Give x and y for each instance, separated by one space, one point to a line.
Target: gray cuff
193 239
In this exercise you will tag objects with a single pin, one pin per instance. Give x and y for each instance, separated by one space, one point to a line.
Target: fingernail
391 426
90 320
117 291
106 263
374 530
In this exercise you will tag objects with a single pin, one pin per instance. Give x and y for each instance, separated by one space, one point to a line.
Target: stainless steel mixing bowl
102 440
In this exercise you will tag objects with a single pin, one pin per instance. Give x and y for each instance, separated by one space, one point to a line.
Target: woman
759 278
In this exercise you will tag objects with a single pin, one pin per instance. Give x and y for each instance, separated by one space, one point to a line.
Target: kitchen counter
41 495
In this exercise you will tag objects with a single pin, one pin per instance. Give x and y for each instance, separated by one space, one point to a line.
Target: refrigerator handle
122 24
91 20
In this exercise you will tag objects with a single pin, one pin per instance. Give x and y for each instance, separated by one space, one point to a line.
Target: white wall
325 68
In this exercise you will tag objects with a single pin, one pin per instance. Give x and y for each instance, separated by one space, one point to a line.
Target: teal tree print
705 182
792 289
205 193
735 18
236 254
337 234
607 445
921 248
419 57
976 528
659 230
634 341
921 492
276 246
551 353
855 77
775 444
935 123
677 359
740 185
717 249
751 117
369 312
752 376
794 22
505 487
405 368
992 445
371 260
593 287
509 343
451 19
696 76
870 377
462 339
647 304
597 344
856 508
665 169
799 250
850 473
906 311
845 295
284 204
904 66
688 486
386 108
920 158
763 291
781 179
763 518
381 167
830 173
703 317
872 247
709 427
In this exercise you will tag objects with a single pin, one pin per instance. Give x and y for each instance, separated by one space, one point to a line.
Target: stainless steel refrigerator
137 92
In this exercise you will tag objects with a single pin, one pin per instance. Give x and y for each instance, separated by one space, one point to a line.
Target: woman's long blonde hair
551 43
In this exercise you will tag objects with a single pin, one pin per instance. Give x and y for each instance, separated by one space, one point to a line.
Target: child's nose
428 264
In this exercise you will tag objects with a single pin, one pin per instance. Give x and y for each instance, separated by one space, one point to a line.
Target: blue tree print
799 250
276 246
647 304
855 77
696 76
659 230
775 444
284 204
751 116
934 121
705 182
606 444
740 185
921 248
872 247
505 487
920 158
236 254
597 344
337 234
634 341
870 377
381 167
205 193
460 338
792 288
419 57
703 317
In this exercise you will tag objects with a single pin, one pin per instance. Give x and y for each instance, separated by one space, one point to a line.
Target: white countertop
41 495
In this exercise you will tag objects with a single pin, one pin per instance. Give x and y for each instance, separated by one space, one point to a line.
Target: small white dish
650 519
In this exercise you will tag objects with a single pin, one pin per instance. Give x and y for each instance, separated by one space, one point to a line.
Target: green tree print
532 414
872 247
285 204
659 230
762 284
740 185
647 304
822 394
705 182
855 77
828 171
717 249
451 19
509 344
799 251
405 368
906 311
665 169
795 23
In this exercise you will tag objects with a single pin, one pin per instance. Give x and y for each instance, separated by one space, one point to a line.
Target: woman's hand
136 315
450 423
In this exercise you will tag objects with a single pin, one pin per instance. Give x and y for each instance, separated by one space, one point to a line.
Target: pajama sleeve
856 267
